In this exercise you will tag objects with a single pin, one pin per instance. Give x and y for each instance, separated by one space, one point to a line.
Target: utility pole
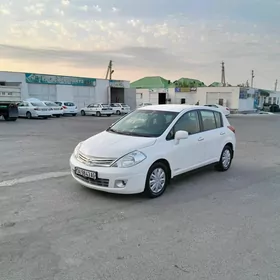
110 71
252 78
223 78
275 88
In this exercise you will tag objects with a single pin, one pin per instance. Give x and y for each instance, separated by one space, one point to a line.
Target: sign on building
116 84
59 80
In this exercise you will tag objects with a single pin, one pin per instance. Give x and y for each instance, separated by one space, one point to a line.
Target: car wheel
28 115
157 180
58 116
118 112
98 114
83 113
225 159
108 115
74 115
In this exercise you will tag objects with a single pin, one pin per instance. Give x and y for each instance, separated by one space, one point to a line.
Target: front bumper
135 178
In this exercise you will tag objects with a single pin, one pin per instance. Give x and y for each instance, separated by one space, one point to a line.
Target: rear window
124 105
37 104
51 104
105 105
58 103
211 119
70 104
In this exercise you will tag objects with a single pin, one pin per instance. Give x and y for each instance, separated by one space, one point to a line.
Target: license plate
86 173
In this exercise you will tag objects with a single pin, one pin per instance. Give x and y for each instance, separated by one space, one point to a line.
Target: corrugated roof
187 82
215 84
151 82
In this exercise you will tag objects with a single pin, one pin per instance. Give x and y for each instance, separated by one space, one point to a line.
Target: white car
68 107
144 104
120 108
57 110
145 149
33 109
97 110
223 109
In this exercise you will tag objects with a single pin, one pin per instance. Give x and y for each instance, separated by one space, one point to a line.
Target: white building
236 98
82 91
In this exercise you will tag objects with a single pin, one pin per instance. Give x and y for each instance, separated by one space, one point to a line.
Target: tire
74 115
162 169
225 159
58 116
118 112
29 115
109 115
98 114
10 119
45 118
83 113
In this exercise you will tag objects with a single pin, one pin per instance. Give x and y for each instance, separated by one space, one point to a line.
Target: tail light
64 107
230 127
36 109
227 109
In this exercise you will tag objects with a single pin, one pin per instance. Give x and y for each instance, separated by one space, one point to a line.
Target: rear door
213 133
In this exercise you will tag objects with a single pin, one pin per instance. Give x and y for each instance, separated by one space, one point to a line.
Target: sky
172 39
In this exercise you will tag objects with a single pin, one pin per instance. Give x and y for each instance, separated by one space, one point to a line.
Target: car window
58 103
218 119
90 105
144 123
188 122
70 104
50 104
37 104
208 120
113 105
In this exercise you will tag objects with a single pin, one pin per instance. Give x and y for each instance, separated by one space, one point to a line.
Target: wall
213 94
82 95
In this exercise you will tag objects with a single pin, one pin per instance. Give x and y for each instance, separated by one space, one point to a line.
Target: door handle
222 133
200 139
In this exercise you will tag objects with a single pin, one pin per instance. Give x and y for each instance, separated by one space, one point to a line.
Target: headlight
77 149
130 160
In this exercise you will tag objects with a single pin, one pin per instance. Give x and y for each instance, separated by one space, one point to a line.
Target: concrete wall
81 95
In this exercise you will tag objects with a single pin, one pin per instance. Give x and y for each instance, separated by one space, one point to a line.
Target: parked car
120 108
57 110
145 149
97 110
224 109
33 109
144 104
69 108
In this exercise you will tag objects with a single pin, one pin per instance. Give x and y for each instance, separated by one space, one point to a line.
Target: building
82 91
158 90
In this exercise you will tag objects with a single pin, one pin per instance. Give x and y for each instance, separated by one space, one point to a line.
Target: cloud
172 39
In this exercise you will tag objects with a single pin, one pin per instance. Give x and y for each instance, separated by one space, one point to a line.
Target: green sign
59 80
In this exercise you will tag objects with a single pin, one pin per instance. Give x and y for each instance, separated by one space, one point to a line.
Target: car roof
174 107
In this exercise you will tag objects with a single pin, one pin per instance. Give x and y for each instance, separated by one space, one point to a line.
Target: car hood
107 144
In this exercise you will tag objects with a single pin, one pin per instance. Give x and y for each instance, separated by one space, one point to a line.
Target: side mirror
179 135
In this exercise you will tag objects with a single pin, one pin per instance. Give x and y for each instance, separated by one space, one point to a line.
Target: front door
188 154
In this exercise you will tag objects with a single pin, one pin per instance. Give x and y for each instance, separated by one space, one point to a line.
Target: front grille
95 161
98 182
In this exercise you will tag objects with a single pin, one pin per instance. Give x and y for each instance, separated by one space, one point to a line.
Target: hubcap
226 158
157 180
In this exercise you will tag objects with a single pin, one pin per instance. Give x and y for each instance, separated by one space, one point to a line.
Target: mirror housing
179 135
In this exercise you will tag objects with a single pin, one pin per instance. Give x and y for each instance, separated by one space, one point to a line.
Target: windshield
105 105
144 123
124 105
38 104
